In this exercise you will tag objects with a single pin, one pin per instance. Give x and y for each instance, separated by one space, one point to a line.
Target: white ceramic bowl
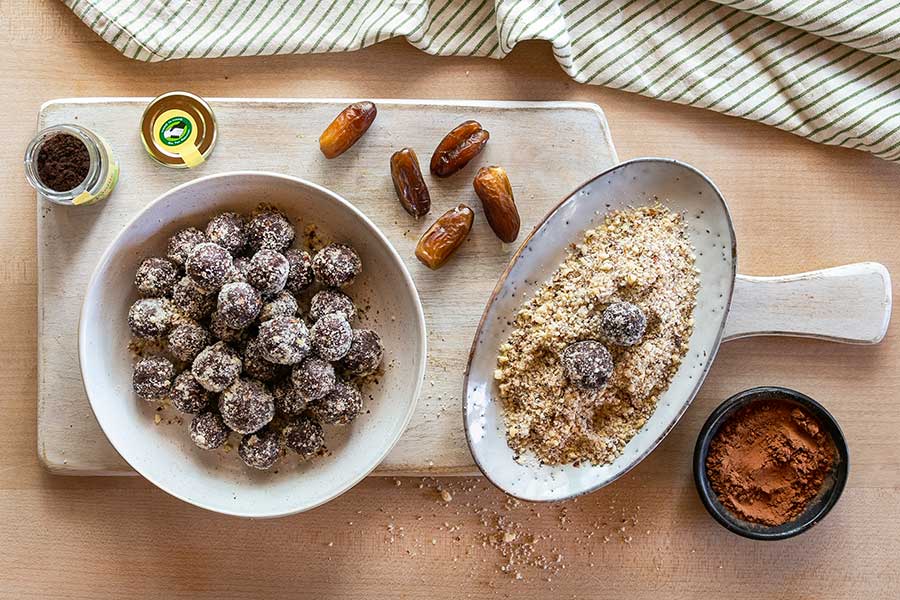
220 482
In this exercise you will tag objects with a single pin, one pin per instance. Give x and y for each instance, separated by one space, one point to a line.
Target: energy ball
182 244
336 265
365 354
340 406
246 406
208 266
587 364
187 395
255 365
208 430
288 400
331 336
216 367
284 340
239 304
191 301
268 271
152 377
313 379
282 305
150 317
304 435
228 230
623 323
156 277
187 340
327 302
269 230
260 450
223 332
300 275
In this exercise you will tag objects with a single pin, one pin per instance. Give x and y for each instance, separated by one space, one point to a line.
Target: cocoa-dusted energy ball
284 340
260 450
304 435
228 230
156 277
330 337
182 244
340 406
288 400
150 317
246 406
313 379
216 367
208 266
365 354
327 302
187 340
208 430
270 230
223 332
623 323
239 304
255 365
336 265
282 305
187 395
191 301
587 364
268 271
300 275
152 377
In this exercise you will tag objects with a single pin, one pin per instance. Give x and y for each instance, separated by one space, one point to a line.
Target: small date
409 184
458 147
493 188
347 128
444 236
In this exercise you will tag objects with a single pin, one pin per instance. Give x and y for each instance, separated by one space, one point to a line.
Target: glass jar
102 175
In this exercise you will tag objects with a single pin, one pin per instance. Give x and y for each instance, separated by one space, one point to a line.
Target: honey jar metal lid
178 130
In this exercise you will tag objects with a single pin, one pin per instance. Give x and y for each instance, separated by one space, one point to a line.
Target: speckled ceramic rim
502 282
819 506
376 233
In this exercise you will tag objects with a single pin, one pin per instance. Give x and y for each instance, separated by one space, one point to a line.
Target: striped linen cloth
828 70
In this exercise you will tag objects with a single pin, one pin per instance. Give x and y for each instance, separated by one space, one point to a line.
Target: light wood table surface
797 206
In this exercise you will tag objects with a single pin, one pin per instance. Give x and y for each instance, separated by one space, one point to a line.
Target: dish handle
849 304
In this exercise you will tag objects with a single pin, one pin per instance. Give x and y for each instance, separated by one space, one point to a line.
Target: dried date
409 184
347 128
444 236
458 147
493 188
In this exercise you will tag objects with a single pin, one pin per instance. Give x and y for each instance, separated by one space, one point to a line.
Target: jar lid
178 130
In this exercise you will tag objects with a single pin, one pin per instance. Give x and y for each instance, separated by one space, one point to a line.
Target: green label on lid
175 130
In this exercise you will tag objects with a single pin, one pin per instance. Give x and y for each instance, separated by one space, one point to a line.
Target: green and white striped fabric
828 70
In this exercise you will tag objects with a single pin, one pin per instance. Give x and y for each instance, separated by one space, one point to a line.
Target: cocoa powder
768 461
63 162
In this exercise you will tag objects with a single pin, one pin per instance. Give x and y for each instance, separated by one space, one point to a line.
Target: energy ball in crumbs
182 244
223 332
284 340
229 230
187 340
152 377
268 272
246 406
255 365
288 400
187 395
330 337
336 265
340 406
300 275
327 302
269 230
150 317
282 305
208 431
156 277
304 435
216 367
587 364
365 354
191 301
208 266
260 450
313 379
623 323
239 304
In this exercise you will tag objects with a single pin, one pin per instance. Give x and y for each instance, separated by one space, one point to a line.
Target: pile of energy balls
220 314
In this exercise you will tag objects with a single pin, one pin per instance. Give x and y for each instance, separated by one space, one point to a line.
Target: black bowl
818 507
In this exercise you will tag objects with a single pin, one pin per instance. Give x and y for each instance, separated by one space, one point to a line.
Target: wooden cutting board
548 149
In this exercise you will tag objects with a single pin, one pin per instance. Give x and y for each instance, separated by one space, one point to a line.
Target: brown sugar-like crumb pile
642 256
